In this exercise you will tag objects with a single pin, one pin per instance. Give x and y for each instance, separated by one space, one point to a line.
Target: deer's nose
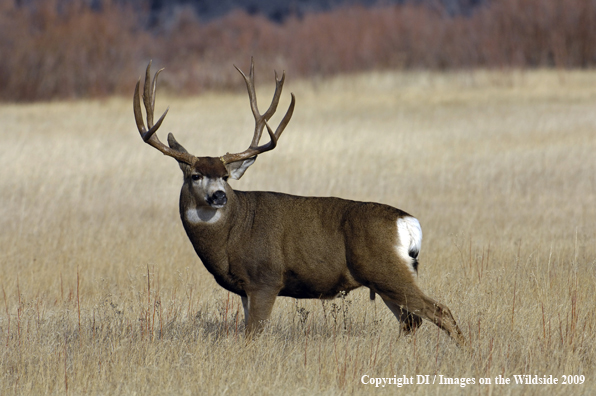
218 199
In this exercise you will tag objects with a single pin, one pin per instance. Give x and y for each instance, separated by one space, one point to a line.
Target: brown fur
261 245
269 244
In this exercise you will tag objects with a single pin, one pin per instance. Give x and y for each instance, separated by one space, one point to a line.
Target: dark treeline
77 48
280 10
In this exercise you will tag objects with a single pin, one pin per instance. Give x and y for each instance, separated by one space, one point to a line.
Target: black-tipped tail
414 254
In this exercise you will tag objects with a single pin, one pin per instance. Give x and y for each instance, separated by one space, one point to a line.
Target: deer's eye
196 177
225 178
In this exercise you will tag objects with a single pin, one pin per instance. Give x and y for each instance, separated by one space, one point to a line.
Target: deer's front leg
257 308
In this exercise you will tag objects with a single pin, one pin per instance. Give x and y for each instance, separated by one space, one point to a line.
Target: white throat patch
203 215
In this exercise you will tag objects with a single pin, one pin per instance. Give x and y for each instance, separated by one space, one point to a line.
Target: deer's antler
261 119
148 133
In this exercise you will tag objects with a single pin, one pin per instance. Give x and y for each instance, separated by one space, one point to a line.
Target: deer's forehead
210 167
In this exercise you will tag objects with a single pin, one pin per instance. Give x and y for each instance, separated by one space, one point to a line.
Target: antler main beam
261 119
148 133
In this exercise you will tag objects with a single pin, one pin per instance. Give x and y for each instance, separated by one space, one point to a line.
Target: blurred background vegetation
60 49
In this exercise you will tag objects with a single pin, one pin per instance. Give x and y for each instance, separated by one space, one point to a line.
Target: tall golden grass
103 294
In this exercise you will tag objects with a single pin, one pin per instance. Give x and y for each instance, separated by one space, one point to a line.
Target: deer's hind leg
409 321
396 285
392 276
415 305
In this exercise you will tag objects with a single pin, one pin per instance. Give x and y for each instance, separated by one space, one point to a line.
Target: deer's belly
317 285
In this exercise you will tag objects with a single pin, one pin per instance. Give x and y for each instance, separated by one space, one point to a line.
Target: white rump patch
409 241
203 215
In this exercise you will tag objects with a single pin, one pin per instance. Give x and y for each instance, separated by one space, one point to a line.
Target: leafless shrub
68 51
55 49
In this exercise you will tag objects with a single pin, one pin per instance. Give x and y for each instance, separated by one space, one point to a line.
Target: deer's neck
208 228
209 231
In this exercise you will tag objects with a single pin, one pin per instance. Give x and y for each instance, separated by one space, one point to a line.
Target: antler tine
153 87
261 120
286 120
136 106
280 128
252 96
279 83
250 86
147 96
149 136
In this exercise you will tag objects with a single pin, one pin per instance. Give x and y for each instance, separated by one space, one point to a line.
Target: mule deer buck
261 245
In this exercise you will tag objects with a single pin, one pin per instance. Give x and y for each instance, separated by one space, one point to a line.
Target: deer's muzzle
218 199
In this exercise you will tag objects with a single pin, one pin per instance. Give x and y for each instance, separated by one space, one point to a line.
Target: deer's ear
237 169
173 143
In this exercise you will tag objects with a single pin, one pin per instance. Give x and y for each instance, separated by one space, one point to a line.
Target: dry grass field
102 293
